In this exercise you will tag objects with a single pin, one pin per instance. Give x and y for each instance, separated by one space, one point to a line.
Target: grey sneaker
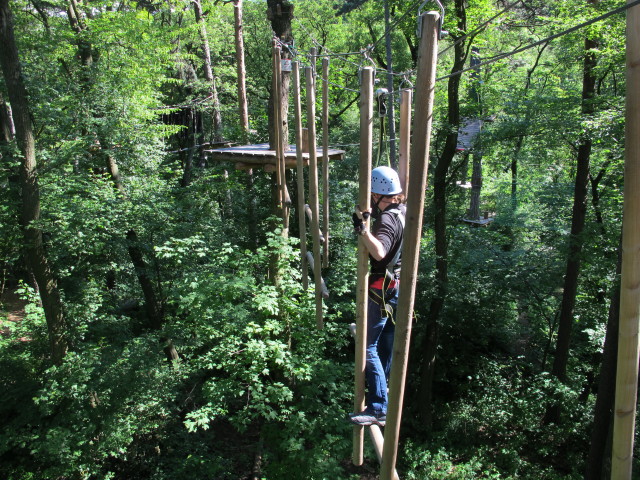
365 419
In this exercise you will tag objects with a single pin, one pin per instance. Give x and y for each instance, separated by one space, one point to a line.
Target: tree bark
603 410
34 252
280 12
216 117
565 322
153 306
476 186
7 128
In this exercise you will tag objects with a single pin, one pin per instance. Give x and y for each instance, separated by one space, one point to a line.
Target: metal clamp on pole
441 33
381 98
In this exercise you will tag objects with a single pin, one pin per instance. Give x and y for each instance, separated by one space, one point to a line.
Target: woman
384 244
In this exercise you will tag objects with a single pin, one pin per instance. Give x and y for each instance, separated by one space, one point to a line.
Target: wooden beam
302 224
426 78
374 430
313 191
378 445
627 370
406 98
362 297
325 161
277 120
281 143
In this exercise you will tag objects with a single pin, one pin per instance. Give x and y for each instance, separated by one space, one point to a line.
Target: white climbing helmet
385 181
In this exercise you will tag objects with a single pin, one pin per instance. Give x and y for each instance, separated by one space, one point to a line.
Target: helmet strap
375 211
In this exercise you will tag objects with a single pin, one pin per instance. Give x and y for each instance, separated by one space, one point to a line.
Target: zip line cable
544 40
395 23
366 52
477 29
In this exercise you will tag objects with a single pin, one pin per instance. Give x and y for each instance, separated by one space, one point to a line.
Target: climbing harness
391 274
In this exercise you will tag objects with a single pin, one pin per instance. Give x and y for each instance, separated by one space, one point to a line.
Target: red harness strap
379 283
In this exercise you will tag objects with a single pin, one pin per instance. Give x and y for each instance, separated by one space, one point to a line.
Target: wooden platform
467 133
481 222
253 156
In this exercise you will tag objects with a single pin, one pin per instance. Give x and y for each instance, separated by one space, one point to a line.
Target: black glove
359 218
358 224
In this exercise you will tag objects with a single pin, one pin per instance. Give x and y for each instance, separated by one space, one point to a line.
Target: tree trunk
476 186
7 128
208 71
241 71
34 253
603 410
153 307
430 341
391 117
565 322
154 312
280 12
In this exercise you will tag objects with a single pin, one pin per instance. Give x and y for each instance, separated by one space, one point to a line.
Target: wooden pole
426 78
313 191
302 224
325 161
362 289
281 145
378 445
406 98
240 69
627 373
277 112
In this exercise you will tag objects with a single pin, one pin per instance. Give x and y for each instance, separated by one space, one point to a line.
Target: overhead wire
544 40
479 28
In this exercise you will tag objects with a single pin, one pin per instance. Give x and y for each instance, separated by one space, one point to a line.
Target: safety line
545 40
477 29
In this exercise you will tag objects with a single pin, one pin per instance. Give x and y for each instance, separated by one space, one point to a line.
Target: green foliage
254 374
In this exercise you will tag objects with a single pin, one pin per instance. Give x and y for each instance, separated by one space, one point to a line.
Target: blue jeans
380 330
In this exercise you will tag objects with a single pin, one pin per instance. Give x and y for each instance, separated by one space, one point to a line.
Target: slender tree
280 13
565 321
208 69
33 248
430 339
152 303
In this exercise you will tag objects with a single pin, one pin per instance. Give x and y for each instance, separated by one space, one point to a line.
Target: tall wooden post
240 69
302 224
406 98
427 57
313 192
276 117
627 373
280 141
362 290
325 161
